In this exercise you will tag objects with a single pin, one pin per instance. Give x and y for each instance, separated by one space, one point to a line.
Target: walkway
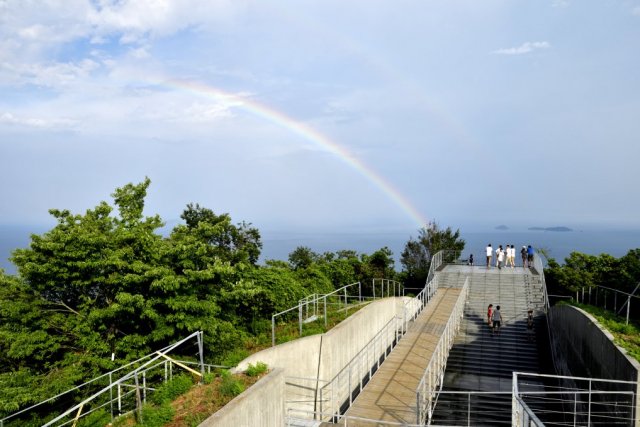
480 362
390 395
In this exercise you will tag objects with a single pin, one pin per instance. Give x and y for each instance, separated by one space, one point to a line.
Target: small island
550 228
502 227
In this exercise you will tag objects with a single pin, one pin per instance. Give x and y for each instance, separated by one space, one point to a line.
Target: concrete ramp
390 395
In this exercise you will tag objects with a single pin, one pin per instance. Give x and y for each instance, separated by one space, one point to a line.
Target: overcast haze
325 114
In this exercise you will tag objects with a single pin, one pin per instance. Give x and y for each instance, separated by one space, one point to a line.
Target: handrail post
628 306
325 311
300 318
273 330
201 351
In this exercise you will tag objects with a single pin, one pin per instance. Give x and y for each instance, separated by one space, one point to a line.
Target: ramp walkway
391 394
478 379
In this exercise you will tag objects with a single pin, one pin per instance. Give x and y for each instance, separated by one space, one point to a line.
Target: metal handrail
128 376
433 376
522 414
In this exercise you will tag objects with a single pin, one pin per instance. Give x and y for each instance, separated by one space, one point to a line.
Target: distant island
502 227
550 229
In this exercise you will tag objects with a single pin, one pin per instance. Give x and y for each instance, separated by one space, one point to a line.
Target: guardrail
122 395
331 396
314 306
432 379
626 297
440 258
592 401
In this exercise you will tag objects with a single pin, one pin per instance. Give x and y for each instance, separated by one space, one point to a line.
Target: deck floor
390 395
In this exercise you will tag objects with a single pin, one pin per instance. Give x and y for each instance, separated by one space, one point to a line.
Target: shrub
230 386
156 416
259 368
173 388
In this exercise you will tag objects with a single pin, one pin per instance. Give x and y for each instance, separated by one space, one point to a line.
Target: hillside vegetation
105 287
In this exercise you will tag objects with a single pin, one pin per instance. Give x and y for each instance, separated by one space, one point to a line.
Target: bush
99 418
173 388
259 368
230 386
156 416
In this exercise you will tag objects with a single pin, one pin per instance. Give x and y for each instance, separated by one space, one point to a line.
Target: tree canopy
107 284
417 253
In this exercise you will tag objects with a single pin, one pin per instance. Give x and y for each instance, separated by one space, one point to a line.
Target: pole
273 330
325 311
300 318
201 351
110 394
628 306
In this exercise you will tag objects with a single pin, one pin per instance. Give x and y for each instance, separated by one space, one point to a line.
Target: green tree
233 243
416 256
302 257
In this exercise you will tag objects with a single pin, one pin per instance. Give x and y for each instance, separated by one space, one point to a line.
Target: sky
325 115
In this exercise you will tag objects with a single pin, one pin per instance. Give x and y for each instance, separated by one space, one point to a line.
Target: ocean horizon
279 244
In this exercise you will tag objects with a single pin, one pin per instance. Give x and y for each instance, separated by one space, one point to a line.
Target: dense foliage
590 271
105 287
416 256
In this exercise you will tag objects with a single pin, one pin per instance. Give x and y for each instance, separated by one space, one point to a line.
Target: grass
200 402
195 405
625 336
192 407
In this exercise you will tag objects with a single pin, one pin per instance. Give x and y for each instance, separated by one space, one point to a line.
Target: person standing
513 256
530 255
471 259
489 253
523 254
489 314
497 320
530 335
499 257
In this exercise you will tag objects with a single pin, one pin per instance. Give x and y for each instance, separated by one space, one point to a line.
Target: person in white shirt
499 257
497 320
489 253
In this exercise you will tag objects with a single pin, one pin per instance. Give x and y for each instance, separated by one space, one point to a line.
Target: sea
278 244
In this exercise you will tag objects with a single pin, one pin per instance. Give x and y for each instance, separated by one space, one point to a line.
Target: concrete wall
328 353
260 405
588 350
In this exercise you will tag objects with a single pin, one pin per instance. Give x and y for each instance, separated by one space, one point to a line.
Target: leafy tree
302 257
416 256
233 243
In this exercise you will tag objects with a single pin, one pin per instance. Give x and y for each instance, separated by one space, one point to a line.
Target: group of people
507 256
494 319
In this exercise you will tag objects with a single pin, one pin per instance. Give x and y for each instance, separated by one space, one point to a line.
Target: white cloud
36 122
523 48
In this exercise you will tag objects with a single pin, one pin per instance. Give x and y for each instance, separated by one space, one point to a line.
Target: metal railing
314 306
440 258
592 401
331 396
124 394
582 296
433 376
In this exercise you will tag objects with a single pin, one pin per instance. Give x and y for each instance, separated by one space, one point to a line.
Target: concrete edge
609 335
264 384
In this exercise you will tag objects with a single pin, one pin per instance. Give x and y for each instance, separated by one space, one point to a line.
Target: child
489 314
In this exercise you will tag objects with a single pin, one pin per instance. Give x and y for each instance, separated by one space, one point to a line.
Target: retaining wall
586 349
260 405
322 356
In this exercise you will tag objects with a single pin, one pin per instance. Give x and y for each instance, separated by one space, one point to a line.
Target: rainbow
307 133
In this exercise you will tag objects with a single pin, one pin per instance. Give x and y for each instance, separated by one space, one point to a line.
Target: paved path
390 395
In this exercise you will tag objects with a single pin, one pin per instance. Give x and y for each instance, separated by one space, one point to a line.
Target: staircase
481 362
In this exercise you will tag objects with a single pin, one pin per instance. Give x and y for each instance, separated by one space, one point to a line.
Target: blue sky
469 112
